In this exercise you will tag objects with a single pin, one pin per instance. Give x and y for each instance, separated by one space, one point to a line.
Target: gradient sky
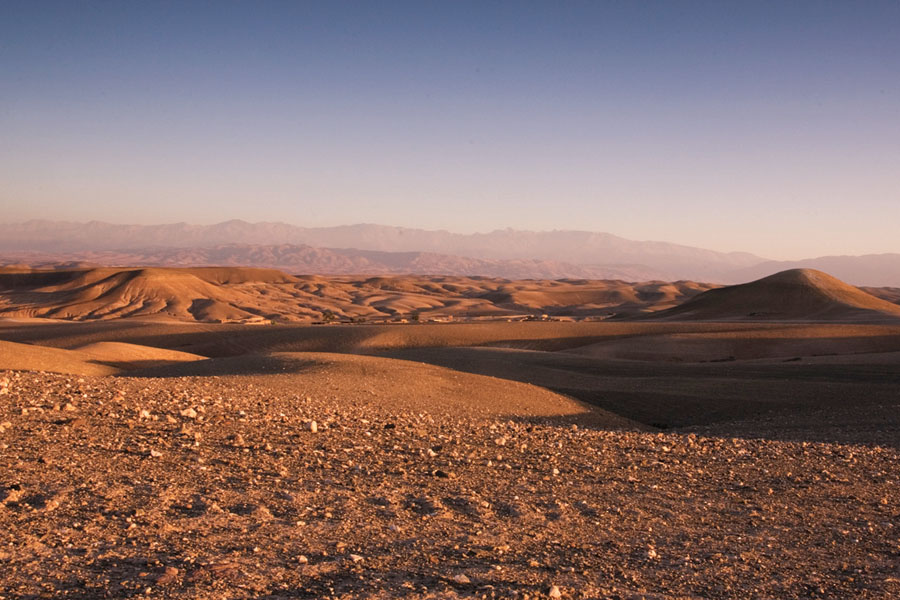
769 127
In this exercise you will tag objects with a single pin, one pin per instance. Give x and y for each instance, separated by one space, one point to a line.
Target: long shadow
728 399
665 395
250 364
232 339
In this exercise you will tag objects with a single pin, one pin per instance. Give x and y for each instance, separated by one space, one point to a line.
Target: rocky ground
218 487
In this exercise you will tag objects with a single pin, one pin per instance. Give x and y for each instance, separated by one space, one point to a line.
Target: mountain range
368 249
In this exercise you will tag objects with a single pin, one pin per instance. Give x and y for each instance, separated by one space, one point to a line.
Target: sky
766 127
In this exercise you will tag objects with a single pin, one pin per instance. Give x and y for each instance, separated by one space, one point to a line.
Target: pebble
554 592
312 426
189 413
461 579
168 576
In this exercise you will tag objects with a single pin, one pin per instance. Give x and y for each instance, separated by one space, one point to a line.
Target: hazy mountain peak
582 253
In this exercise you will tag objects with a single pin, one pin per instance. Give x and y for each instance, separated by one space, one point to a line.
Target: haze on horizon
764 127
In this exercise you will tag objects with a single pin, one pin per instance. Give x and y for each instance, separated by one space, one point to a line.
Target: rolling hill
792 295
232 294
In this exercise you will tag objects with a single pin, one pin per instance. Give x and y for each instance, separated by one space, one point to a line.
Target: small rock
356 558
155 453
13 495
168 576
554 592
302 559
312 426
462 579
189 413
262 513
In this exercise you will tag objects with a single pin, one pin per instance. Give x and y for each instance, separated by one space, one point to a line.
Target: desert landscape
449 300
246 433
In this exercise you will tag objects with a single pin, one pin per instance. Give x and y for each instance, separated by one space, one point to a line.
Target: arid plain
246 433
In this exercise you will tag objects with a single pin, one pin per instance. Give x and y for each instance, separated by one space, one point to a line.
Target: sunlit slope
797 294
238 294
102 358
203 294
386 383
26 357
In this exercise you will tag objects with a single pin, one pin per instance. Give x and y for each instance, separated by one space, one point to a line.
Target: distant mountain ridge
366 249
583 248
868 269
303 259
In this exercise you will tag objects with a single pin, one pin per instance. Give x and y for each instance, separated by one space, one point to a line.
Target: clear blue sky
770 127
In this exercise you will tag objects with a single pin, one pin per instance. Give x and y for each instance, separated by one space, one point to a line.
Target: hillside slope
796 294
259 295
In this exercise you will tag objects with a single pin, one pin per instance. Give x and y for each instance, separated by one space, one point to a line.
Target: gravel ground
215 487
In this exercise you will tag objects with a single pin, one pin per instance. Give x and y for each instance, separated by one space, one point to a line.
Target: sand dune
797 294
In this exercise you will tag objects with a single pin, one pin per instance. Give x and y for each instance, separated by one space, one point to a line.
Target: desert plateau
247 433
